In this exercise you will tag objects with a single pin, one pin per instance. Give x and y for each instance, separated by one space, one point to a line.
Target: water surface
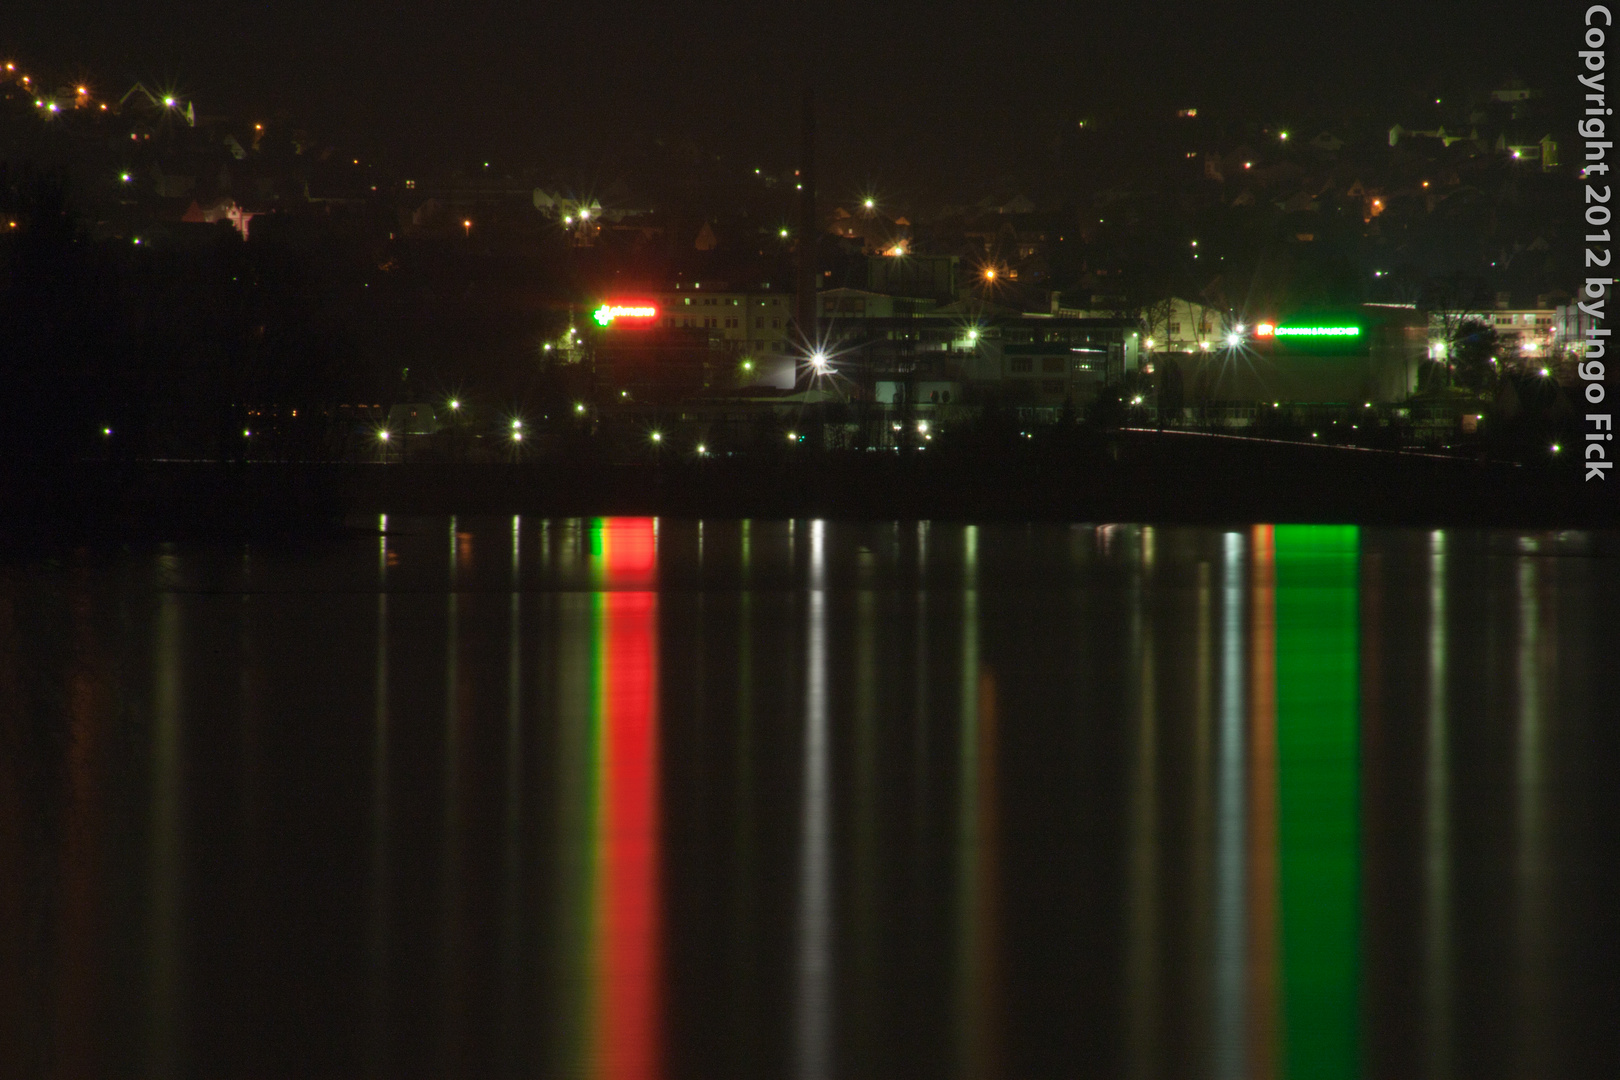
640 798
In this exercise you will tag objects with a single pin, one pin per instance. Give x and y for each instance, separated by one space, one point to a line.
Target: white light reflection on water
1533 920
511 885
1437 949
1142 932
1231 944
450 857
814 975
976 990
377 1002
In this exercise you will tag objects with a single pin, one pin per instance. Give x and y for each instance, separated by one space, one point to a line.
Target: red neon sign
634 311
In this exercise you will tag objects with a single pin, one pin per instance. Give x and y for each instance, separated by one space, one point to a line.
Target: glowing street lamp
818 360
658 436
989 273
467 226
579 408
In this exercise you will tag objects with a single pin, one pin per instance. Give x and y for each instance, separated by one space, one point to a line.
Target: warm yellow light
989 273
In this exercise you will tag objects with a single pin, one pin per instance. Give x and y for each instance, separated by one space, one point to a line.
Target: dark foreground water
631 798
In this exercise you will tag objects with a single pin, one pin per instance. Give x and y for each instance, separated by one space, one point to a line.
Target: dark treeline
176 347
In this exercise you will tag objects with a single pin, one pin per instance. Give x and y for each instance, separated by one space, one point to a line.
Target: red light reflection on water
627 1030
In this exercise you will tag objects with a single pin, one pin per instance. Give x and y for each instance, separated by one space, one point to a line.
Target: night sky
907 88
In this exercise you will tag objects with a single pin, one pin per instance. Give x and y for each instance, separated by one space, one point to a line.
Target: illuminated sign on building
607 313
1317 331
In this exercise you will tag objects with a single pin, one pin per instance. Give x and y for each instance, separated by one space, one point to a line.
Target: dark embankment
1131 476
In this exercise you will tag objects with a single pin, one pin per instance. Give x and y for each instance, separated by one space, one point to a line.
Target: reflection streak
1230 944
813 1014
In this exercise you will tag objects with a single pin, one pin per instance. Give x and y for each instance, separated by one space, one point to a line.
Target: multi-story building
740 323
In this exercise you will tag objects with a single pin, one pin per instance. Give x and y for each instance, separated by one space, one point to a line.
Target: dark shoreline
1130 476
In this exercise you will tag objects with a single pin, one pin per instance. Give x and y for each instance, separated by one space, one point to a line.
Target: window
1052 387
776 324
759 322
1052 363
1021 365
1175 328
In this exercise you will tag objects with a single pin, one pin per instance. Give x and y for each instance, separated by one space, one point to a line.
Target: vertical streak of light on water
1231 946
164 917
1142 845
813 1019
743 878
1200 826
1532 916
867 1018
377 922
1262 783
512 926
450 866
973 1002
1437 950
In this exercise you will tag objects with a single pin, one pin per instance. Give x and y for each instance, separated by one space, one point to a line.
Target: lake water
636 798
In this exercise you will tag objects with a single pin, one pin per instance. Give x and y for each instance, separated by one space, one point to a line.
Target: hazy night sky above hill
904 87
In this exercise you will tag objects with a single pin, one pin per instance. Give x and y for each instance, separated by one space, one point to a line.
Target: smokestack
809 230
